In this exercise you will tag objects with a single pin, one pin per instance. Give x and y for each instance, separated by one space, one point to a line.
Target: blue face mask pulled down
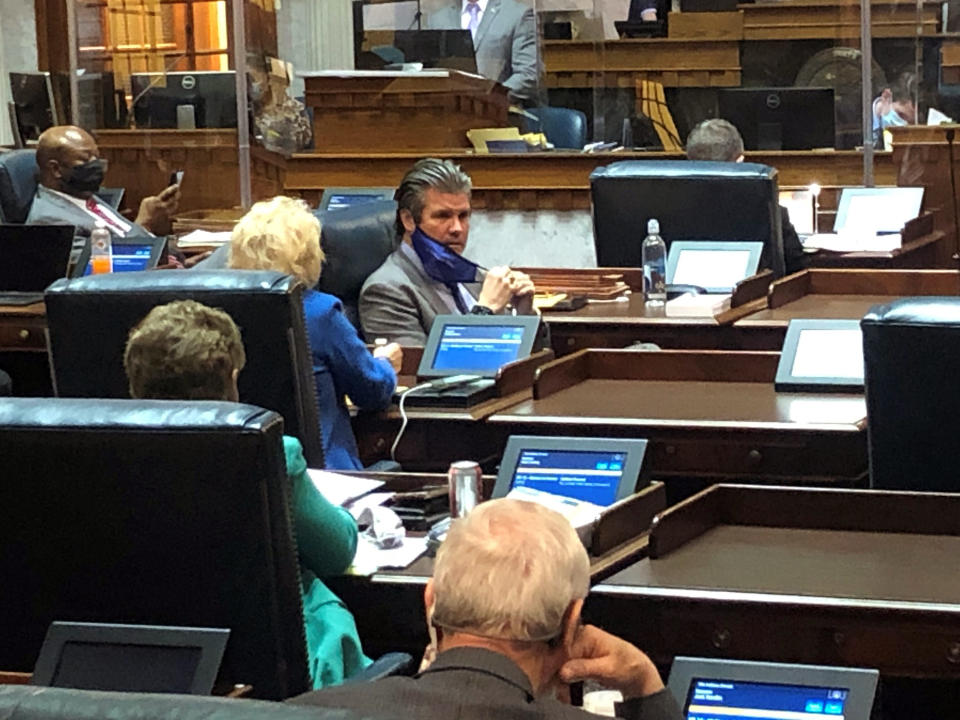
440 262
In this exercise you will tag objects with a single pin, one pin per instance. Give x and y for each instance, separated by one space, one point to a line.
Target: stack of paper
854 242
341 489
692 305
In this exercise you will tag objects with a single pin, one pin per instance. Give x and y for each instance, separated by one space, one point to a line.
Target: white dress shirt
465 14
117 225
442 290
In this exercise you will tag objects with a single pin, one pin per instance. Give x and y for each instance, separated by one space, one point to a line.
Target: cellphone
176 177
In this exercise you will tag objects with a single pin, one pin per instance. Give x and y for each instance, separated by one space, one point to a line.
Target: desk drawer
754 454
27 334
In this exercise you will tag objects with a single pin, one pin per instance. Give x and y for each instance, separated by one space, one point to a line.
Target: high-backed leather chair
565 128
355 240
23 702
910 351
692 199
90 318
18 184
151 512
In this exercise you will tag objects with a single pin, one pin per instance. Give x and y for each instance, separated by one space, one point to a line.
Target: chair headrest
18 184
356 241
929 310
96 415
684 169
69 704
180 282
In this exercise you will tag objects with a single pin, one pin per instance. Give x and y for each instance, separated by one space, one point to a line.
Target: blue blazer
342 366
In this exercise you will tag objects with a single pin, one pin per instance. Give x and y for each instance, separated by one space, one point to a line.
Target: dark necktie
457 298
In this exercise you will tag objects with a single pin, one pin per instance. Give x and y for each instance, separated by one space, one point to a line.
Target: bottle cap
653 226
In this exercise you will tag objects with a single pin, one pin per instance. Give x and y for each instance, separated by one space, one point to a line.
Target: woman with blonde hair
282 234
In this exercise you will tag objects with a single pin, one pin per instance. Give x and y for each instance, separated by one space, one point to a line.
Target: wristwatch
481 310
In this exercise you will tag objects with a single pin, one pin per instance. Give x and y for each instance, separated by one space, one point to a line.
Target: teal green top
326 543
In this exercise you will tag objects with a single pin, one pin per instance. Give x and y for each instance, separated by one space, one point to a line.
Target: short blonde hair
278 234
509 570
183 351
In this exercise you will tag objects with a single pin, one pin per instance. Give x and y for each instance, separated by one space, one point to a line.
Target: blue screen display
338 202
737 700
128 257
582 475
477 348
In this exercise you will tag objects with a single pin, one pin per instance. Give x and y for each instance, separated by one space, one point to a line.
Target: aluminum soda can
466 487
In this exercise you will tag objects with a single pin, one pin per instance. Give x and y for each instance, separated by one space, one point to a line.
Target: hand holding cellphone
176 177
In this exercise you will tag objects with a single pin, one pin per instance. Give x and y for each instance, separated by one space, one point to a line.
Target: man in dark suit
426 275
70 171
719 140
505 600
504 40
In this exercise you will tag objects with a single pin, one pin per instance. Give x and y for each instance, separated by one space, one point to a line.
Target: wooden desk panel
810 576
551 180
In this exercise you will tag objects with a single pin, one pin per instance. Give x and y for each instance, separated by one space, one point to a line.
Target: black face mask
85 178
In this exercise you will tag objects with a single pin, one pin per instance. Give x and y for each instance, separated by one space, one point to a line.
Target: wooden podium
389 111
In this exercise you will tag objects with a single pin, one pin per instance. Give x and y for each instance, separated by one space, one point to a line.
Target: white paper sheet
341 489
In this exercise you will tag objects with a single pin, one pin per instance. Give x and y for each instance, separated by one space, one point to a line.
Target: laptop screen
126 667
713 699
590 476
477 348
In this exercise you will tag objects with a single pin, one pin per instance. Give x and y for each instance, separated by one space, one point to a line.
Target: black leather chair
25 702
693 200
565 128
6 384
356 240
89 319
910 351
18 184
151 512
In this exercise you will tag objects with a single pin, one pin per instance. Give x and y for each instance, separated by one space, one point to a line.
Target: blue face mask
892 118
440 262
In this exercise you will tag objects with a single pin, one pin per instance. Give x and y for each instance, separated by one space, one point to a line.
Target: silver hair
509 570
441 175
715 139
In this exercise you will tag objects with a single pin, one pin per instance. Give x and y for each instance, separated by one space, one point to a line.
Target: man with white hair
505 600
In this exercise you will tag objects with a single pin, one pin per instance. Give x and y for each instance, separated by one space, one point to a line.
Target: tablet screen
583 475
126 667
829 353
477 348
128 257
712 699
712 268
340 201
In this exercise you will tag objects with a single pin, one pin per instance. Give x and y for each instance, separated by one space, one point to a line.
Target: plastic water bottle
101 249
654 257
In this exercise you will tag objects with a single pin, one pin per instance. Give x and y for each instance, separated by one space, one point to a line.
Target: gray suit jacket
505 44
49 208
471 684
399 301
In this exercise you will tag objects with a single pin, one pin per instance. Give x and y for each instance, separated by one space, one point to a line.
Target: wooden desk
141 161
844 294
394 598
708 415
551 180
832 577
23 349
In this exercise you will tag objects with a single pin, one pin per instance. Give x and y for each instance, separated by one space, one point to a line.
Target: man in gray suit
70 172
505 599
504 40
425 276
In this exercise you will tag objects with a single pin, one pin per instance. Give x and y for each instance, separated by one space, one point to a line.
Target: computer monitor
707 688
452 49
34 105
715 266
595 470
186 100
476 344
821 356
130 658
780 118
343 197
97 106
